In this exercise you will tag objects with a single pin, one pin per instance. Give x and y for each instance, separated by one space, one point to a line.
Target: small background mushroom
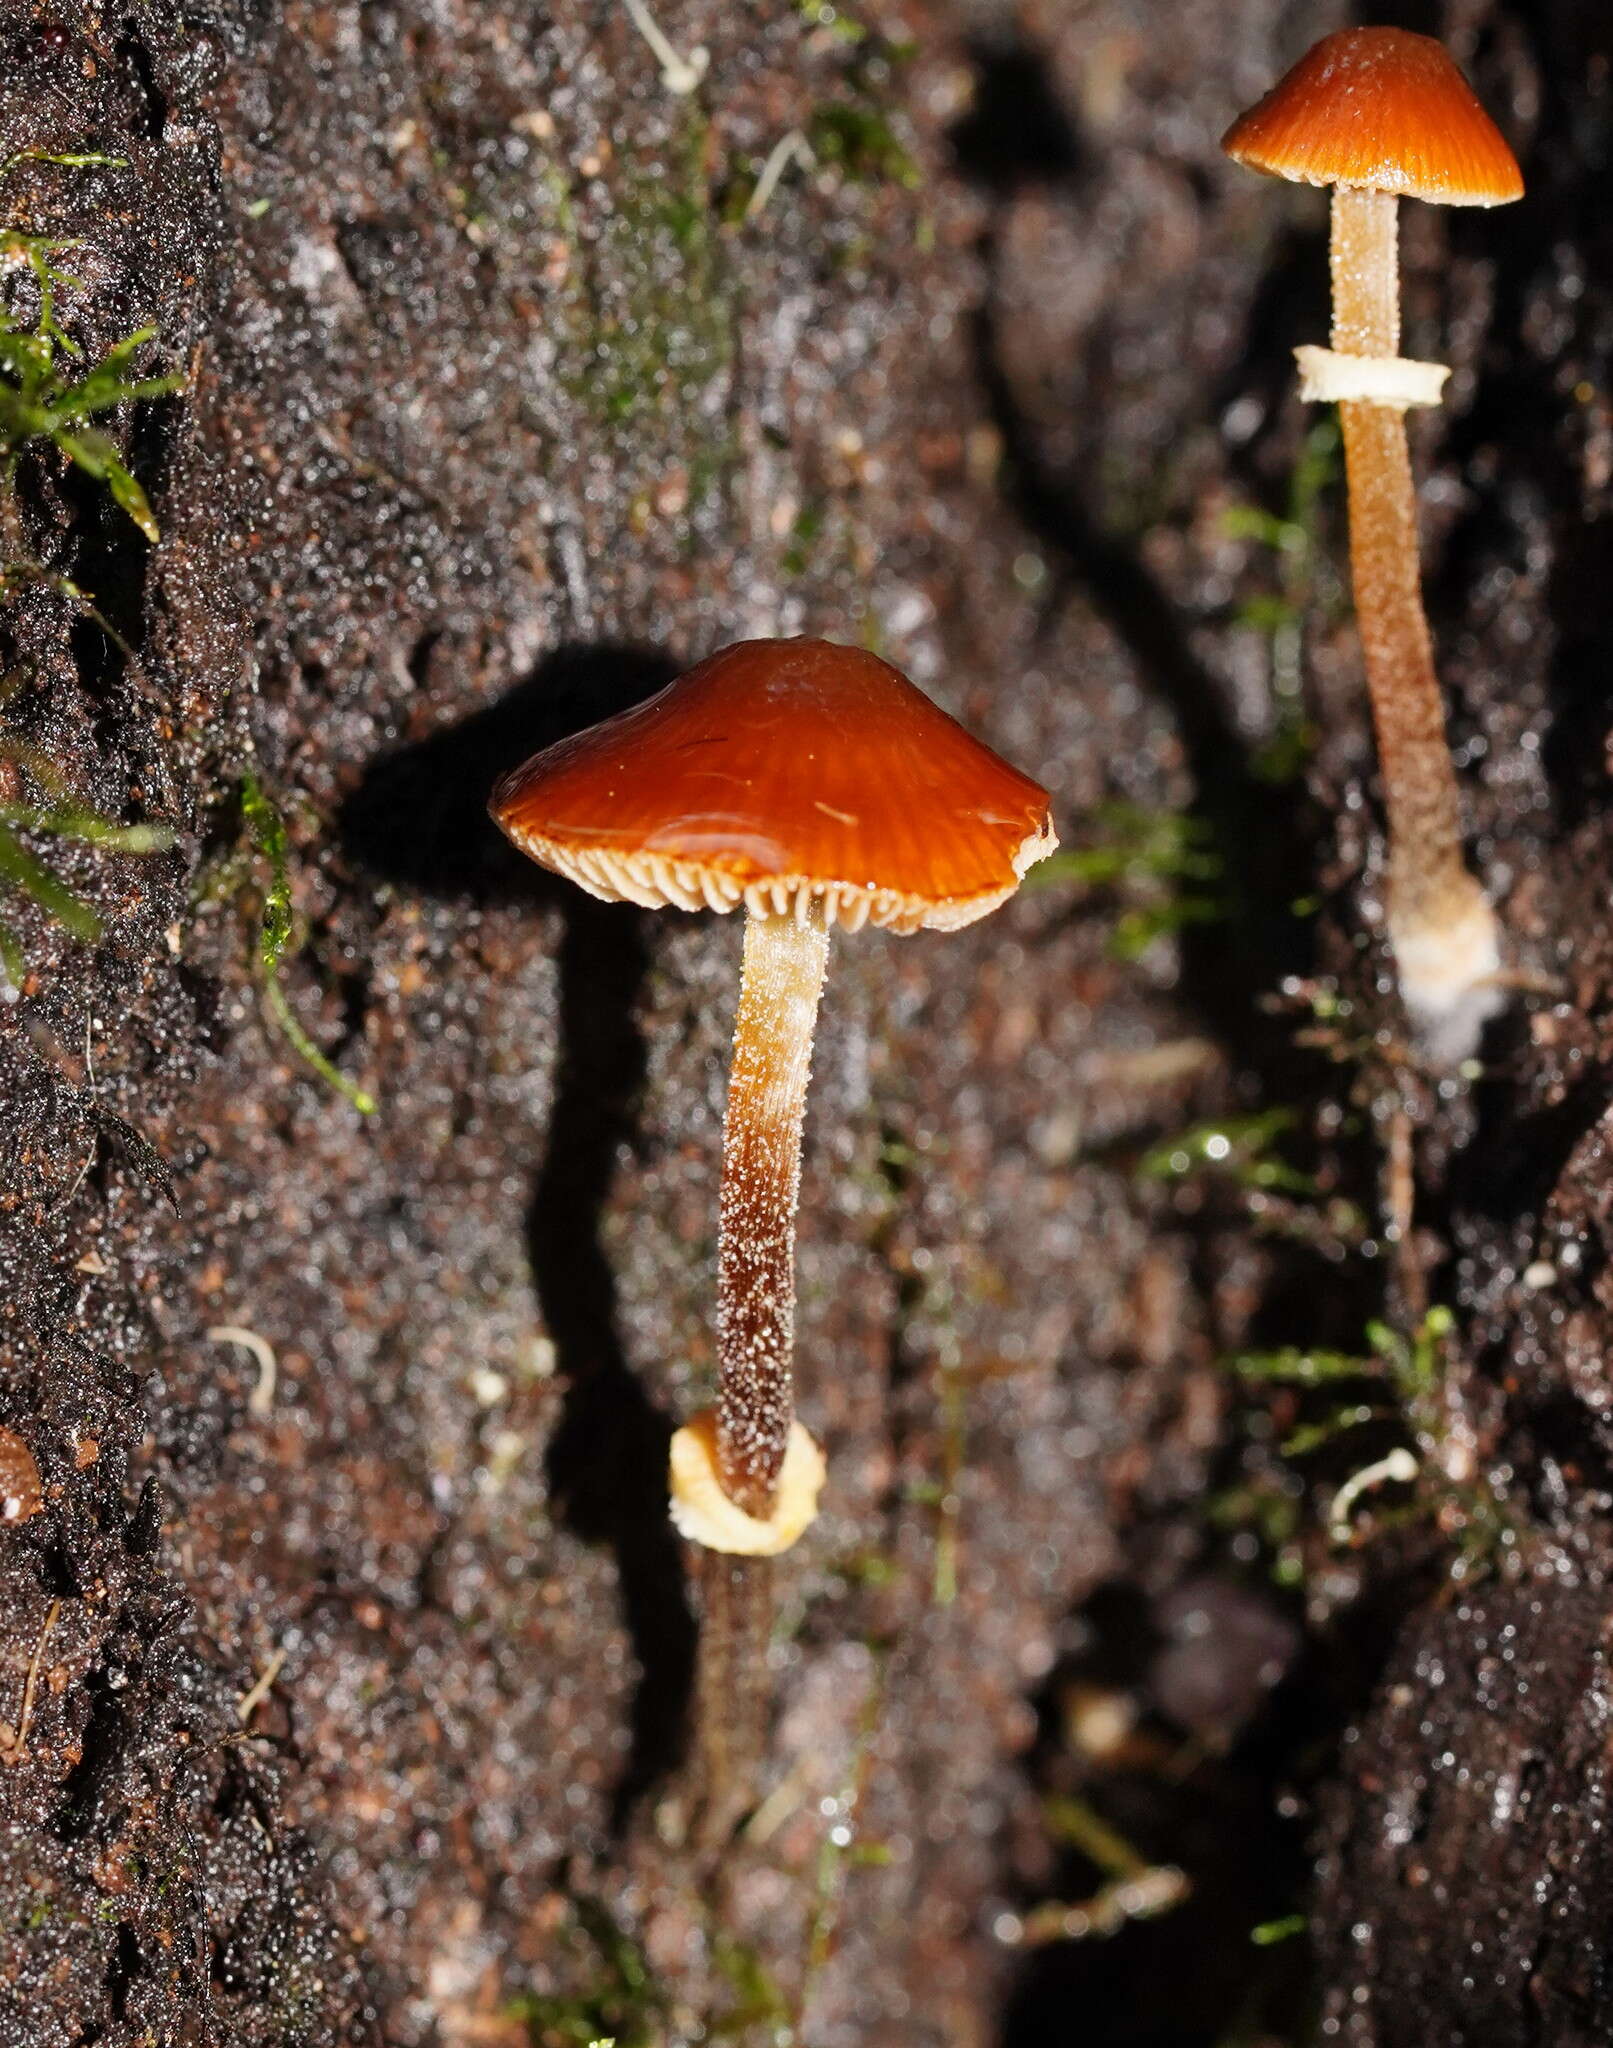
1379 114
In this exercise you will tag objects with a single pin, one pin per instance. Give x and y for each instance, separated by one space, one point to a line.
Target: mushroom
1381 114
811 785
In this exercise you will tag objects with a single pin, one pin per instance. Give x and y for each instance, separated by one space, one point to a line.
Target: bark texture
353 1681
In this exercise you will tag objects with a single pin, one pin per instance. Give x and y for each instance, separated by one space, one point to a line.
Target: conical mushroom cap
1383 109
778 775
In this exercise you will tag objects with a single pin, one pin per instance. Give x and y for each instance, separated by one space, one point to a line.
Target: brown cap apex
1383 109
779 775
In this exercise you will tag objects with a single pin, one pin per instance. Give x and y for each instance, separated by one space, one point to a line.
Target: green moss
758 2011
1378 1418
1297 569
1283 1199
47 394
804 533
648 316
1162 865
1242 1148
267 832
57 815
1130 1887
858 140
839 21
620 2000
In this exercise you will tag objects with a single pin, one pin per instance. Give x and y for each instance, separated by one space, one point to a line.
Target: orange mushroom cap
781 774
1383 109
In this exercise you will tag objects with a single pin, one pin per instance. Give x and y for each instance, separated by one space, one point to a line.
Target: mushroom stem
785 959
1366 272
1440 925
732 1688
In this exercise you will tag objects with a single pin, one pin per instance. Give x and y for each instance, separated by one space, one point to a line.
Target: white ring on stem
1328 378
703 1513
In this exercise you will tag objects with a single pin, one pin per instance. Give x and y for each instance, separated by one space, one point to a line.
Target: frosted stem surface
761 1183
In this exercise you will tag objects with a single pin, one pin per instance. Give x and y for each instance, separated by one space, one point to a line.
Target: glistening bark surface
502 410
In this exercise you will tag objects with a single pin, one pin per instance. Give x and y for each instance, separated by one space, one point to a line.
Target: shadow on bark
420 820
1186 1976
1264 845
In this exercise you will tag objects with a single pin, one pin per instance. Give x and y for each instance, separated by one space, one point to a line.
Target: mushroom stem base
1449 969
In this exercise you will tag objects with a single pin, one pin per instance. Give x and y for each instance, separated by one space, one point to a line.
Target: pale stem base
1443 931
782 981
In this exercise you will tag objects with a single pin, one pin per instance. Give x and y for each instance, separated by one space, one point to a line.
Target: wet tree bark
338 1667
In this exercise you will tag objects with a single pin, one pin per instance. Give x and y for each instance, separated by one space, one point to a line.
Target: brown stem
1429 885
761 1179
731 1689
